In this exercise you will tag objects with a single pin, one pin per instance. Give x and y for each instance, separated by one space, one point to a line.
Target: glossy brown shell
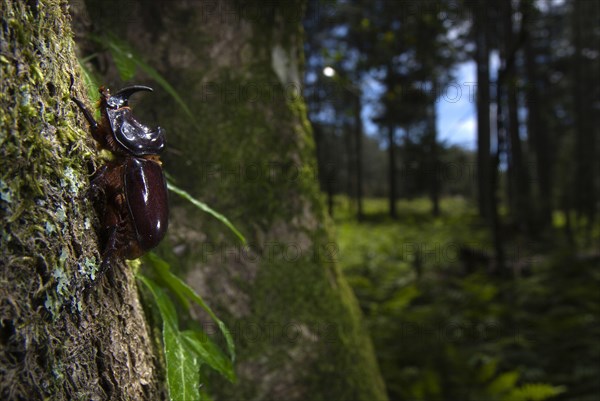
146 194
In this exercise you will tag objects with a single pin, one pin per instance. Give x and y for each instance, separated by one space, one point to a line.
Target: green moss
28 134
43 158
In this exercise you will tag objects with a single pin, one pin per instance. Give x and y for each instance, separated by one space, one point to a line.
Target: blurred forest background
472 248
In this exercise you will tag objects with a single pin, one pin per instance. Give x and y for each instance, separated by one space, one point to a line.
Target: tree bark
58 340
250 155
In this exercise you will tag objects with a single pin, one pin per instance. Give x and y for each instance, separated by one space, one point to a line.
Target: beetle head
121 98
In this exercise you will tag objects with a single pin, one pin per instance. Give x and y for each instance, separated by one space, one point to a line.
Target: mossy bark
250 154
58 340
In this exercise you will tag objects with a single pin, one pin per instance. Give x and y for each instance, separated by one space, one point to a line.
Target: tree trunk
358 150
538 134
326 170
519 182
350 164
250 155
495 218
434 191
583 100
393 185
484 173
58 340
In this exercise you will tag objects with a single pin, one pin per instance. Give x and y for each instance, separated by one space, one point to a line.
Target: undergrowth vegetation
447 326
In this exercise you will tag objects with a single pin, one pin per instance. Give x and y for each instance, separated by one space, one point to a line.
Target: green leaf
432 383
503 383
487 371
204 207
534 392
89 80
183 369
209 352
402 298
185 293
125 63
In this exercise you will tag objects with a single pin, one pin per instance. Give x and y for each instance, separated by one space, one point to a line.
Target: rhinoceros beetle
130 191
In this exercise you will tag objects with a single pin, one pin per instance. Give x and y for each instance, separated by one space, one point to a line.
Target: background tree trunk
519 180
540 141
584 72
358 141
434 162
57 341
482 58
393 185
250 155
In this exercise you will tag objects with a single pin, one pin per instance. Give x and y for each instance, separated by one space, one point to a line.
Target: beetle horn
121 98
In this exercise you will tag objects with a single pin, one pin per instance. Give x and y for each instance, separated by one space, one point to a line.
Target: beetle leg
105 192
109 253
87 114
97 181
97 190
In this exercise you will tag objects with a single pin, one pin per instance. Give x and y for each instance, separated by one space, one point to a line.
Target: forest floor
446 325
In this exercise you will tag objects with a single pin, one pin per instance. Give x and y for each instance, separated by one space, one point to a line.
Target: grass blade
204 207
